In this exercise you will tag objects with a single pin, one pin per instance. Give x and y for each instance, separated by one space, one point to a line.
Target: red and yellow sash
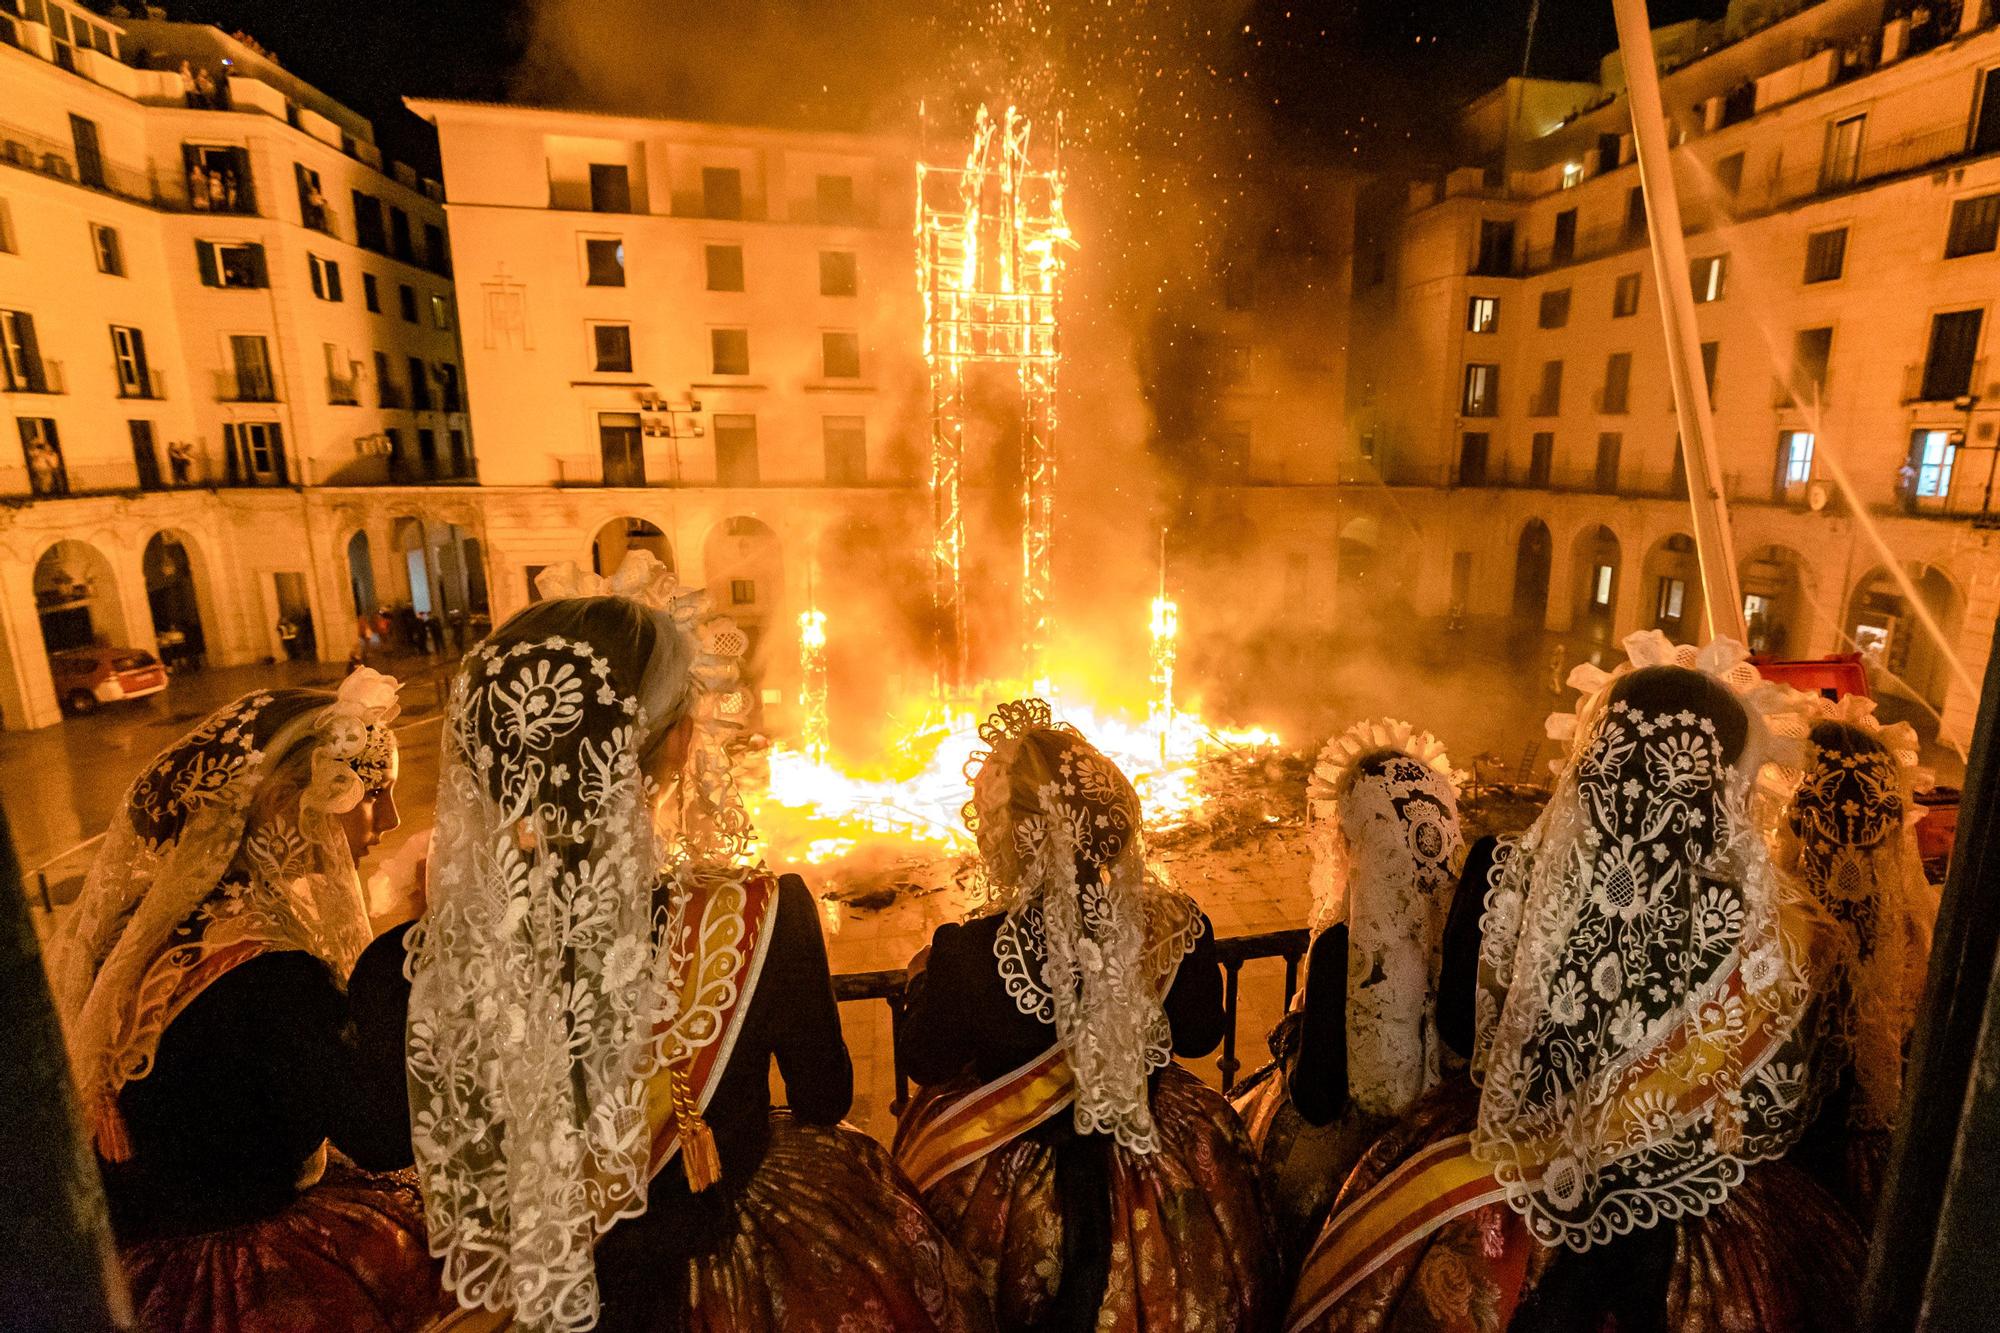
944 1130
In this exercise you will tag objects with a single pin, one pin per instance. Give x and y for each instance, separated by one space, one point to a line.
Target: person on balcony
595 1008
237 1038
1361 1042
1093 1182
1850 835
1641 1054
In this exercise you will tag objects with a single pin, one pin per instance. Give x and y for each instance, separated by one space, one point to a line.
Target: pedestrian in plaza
1093 1182
591 1032
233 1017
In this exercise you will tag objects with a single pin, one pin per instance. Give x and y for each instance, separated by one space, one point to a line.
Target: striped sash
943 1131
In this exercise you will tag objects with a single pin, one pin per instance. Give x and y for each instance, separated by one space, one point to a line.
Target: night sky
1360 80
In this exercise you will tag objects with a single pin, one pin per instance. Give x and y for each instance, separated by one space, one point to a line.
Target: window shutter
204 255
333 280
139 362
31 352
260 277
278 468
231 458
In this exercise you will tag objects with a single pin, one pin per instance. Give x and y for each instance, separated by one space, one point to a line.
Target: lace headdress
1058 828
540 998
1850 834
228 842
1653 969
1382 810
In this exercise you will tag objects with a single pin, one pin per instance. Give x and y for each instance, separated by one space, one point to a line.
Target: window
840 355
1986 126
729 351
610 188
1481 396
145 454
254 451
1496 250
401 244
1562 248
742 592
218 179
1812 350
1541 457
128 352
369 231
325 277
721 192
440 313
1482 314
342 377
1840 165
1708 276
388 393
1729 174
312 203
1617 383
436 250
1669 601
1572 175
41 449
736 450
836 273
110 259
1625 296
1555 309
427 451
7 243
1948 365
448 392
1711 352
1932 453
1975 226
1547 401
1472 447
611 348
1795 459
21 354
835 197
406 300
1635 213
1826 254
846 450
1603 579
456 439
420 384
1609 444
371 293
89 155
725 267
231 264
251 355
604 262
621 448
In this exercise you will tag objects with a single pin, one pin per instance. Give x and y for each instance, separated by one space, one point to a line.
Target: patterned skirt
1190 1243
346 1256
1302 1166
1779 1255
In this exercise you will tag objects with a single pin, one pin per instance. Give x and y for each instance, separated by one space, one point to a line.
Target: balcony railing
343 390
19 484
1502 474
153 387
43 377
887 987
1920 385
234 387
52 157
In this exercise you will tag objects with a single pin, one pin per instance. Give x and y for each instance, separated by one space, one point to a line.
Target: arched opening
1672 585
746 582
76 598
1775 610
361 575
1596 559
1881 621
172 594
447 580
1534 556
609 547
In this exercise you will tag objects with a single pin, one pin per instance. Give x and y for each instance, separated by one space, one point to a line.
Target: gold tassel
699 1158
114 1144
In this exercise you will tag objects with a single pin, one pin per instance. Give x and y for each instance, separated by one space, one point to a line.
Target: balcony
389 393
235 386
1923 383
418 472
343 390
154 388
51 157
1502 474
42 376
71 481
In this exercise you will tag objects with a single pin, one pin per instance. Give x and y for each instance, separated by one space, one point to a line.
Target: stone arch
361 574
1777 610
177 590
617 536
1596 561
1534 561
1879 619
1670 589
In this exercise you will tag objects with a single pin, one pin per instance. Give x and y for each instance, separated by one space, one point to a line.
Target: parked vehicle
101 674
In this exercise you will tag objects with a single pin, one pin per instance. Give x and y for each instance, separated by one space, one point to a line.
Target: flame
813 729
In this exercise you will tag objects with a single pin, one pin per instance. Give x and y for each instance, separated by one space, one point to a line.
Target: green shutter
260 276
204 255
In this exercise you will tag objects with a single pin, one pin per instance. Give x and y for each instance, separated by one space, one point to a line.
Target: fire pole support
1722 599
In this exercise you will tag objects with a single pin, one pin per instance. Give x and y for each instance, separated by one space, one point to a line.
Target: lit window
1482 315
1600 585
1572 174
1708 275
1931 455
1673 595
1795 454
742 592
440 313
110 259
1482 391
604 262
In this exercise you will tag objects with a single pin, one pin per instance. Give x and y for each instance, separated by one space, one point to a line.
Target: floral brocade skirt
1303 1166
1777 1256
1190 1243
346 1256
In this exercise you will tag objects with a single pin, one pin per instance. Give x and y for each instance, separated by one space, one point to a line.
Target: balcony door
1986 126
622 447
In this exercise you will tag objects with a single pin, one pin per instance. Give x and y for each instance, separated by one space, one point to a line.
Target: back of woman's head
1671 690
1656 771
1851 795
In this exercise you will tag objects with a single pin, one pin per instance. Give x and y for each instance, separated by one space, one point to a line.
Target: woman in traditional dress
1361 1042
1093 1182
1639 1037
1850 835
595 1010
228 1018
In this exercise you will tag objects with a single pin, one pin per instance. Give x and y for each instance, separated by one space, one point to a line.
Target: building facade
230 345
1839 172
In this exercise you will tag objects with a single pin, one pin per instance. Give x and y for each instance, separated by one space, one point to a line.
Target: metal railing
154 387
30 151
1503 474
1916 390
234 387
343 390
887 986
48 378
